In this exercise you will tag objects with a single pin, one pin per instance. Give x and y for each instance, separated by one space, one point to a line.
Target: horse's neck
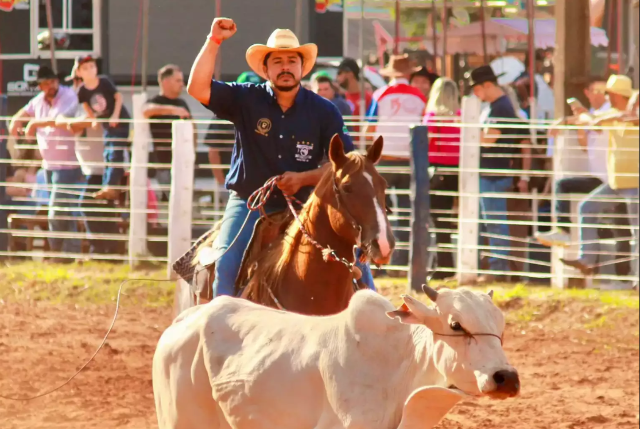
316 220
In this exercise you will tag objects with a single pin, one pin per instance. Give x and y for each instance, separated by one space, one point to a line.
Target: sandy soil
573 377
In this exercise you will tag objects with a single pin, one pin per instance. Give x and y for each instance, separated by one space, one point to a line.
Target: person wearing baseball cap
275 122
349 79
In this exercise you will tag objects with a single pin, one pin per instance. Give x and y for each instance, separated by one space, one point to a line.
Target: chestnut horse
347 209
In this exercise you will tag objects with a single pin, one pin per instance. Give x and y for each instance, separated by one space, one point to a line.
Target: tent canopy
468 40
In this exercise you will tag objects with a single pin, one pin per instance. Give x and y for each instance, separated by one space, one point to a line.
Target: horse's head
360 195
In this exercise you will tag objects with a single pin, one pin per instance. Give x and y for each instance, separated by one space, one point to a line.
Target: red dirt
572 377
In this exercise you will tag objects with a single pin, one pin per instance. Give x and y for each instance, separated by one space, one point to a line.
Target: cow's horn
431 293
490 294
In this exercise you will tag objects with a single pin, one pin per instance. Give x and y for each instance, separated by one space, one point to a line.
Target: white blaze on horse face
383 238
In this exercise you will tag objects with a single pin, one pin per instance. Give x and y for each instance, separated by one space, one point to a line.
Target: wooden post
469 205
445 23
4 155
138 181
181 198
573 53
484 33
420 187
52 38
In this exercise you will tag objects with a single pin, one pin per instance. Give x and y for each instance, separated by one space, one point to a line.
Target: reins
258 200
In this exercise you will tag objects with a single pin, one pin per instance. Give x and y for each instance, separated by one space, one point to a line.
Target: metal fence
437 217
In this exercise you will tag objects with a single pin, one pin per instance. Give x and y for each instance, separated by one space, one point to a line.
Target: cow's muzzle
507 383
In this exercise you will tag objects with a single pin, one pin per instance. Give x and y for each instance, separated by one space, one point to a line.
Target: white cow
235 364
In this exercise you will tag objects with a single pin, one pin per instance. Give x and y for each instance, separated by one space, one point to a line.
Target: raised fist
223 28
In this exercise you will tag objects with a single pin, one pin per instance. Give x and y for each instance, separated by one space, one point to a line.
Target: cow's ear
405 315
415 312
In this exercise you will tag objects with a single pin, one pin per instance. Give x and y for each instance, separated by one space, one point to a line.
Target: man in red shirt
349 80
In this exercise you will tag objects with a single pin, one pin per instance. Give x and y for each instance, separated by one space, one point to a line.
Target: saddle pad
184 266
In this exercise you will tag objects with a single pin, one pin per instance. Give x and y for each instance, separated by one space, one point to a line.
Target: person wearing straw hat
394 108
604 198
282 129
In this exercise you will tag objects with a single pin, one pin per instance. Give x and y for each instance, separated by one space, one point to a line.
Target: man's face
49 87
595 94
284 70
422 84
325 90
618 101
480 91
174 84
344 77
88 70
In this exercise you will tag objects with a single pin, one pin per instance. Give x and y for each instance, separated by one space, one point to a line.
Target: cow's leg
181 386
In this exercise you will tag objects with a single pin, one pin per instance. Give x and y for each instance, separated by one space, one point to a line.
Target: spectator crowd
83 139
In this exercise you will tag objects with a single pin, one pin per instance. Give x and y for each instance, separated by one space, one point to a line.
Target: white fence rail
196 199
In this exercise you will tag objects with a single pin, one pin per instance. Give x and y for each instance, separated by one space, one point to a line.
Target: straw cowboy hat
281 40
399 65
621 85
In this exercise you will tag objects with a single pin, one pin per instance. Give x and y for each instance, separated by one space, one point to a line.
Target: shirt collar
398 81
300 96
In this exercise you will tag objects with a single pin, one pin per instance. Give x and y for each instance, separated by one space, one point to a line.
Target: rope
104 341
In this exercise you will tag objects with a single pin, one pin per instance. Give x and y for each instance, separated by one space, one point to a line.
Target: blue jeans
100 246
115 143
228 260
495 209
56 179
590 210
572 185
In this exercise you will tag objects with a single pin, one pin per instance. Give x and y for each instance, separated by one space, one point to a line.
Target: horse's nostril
498 377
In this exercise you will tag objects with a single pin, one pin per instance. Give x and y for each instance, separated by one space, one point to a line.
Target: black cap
424 72
481 75
349 64
44 73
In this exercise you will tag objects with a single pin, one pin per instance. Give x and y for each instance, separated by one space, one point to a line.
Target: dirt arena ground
577 354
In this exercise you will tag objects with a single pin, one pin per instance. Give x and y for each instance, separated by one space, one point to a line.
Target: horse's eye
456 326
347 188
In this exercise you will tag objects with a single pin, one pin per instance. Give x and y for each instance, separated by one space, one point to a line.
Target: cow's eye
456 326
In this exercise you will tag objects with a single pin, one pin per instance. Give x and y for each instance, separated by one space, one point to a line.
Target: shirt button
282 116
279 156
280 135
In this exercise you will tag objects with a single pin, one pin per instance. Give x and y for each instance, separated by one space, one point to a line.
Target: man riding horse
282 129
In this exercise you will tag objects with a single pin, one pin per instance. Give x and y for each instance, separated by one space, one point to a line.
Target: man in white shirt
595 92
394 108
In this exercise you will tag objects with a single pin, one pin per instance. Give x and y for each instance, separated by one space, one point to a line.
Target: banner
8 5
323 6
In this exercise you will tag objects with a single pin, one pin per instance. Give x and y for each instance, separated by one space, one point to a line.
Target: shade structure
499 31
545 31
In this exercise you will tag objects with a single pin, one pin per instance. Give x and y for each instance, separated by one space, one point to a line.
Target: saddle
197 266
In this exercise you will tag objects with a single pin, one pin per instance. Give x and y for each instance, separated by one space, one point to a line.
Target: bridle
258 200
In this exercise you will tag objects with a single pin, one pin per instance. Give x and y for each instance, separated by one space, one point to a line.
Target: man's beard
286 88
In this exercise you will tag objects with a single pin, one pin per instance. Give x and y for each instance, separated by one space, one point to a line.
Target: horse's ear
375 151
336 152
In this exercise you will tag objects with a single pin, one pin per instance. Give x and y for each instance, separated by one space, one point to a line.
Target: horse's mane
271 266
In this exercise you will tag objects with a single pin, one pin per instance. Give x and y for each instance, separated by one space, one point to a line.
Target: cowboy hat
399 66
481 75
620 84
281 40
44 73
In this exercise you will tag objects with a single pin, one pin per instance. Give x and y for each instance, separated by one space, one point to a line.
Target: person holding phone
596 94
